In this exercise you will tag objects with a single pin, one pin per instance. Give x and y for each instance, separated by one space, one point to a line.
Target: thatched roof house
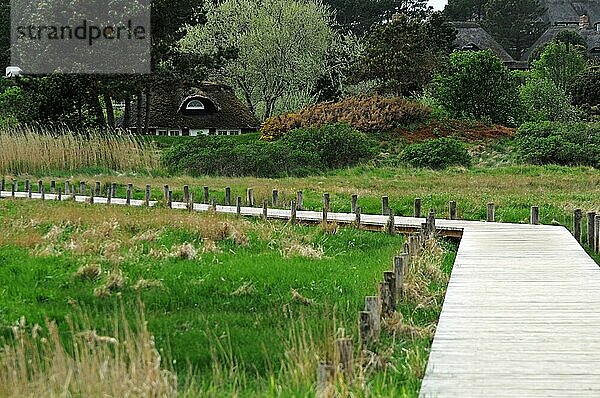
205 108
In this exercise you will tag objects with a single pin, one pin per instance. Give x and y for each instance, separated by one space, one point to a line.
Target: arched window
195 105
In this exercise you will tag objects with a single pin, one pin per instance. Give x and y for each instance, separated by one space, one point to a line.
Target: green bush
299 152
543 100
437 154
570 144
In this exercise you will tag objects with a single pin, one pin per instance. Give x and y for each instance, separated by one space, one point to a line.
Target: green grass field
218 293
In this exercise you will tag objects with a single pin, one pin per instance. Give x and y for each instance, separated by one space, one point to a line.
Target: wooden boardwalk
521 317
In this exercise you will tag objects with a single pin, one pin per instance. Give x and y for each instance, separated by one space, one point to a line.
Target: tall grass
39 149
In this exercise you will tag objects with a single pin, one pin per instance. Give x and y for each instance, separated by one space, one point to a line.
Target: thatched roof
592 38
223 110
471 36
558 11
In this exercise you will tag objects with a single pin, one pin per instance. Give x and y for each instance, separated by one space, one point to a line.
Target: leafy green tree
476 84
466 10
515 24
401 55
586 88
559 63
269 48
542 101
571 37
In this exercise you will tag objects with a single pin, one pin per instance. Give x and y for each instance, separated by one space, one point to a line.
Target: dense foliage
365 113
478 85
437 154
299 152
560 143
542 100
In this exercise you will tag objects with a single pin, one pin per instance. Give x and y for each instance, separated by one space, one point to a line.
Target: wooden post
186 193
40 186
67 188
386 299
385 206
326 200
26 185
491 212
325 379
91 199
147 195
431 222
275 200
591 216
128 195
166 193
238 206
265 209
577 216
97 188
214 204
82 188
390 226
390 278
108 194
113 191
596 246
2 184
52 187
357 217
59 194
417 206
227 196
535 215
206 195
293 212
13 188
452 210
29 192
345 357
373 306
191 203
170 200
354 203
43 193
299 200
399 270
250 197
364 327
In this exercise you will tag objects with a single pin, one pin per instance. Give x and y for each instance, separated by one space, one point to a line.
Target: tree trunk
127 113
139 121
147 112
110 113
97 109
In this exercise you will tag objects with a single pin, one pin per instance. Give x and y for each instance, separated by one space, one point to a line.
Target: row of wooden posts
377 308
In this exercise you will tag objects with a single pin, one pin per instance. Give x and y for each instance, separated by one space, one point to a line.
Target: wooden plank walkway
521 317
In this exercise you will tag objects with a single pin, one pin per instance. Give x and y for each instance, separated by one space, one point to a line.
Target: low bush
437 154
299 152
543 100
364 113
570 144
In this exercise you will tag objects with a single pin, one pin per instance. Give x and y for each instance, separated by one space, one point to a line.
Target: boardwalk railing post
238 206
191 203
265 212
170 200
417 208
390 225
373 306
26 185
40 185
491 212
214 204
82 188
399 276
227 196
113 191
186 194
535 215
59 194
42 192
128 195
108 194
250 197
577 216
53 187
385 206
591 217
354 203
2 184
275 198
431 222
166 193
206 195
97 188
13 188
29 192
300 200
91 199
67 188
357 217
147 195
293 212
345 357
326 202
452 210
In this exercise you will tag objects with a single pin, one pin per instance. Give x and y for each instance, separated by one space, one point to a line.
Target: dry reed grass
30 149
39 362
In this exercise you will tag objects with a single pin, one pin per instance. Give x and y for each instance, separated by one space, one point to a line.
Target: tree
586 88
476 84
543 101
269 48
515 24
400 55
559 63
466 10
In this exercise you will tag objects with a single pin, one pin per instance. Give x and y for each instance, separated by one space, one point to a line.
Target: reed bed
40 149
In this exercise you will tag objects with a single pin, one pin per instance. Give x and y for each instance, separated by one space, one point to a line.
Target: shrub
363 113
568 144
299 152
437 154
477 85
542 101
